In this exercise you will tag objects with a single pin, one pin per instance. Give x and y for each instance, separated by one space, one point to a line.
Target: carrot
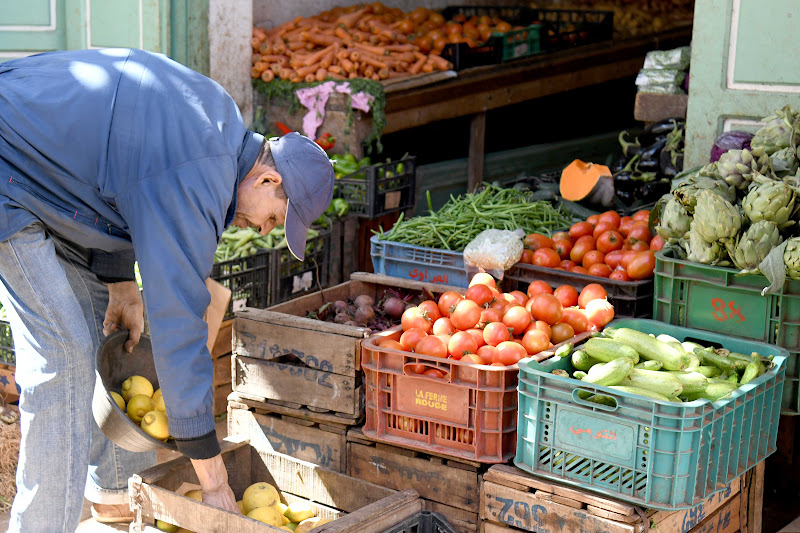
261 66
327 61
309 78
321 74
402 47
296 45
278 47
352 75
265 48
439 62
255 58
276 68
383 73
285 73
351 19
375 77
342 54
254 73
406 57
321 39
283 60
304 71
317 56
255 42
335 69
355 57
342 33
294 78
369 71
374 50
417 66
335 76
267 76
347 65
372 61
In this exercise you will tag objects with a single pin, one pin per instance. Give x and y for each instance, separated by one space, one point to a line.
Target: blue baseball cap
308 180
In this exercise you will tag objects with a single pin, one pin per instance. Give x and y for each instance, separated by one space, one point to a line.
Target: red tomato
473 359
432 372
657 243
444 338
614 258
638 233
443 326
642 214
563 248
414 317
562 332
490 315
480 294
539 287
592 291
432 346
576 319
627 257
593 220
519 296
620 275
542 326
484 279
599 313
580 229
487 353
546 307
517 318
447 302
602 228
567 295
500 304
461 343
431 310
391 345
610 217
410 338
466 315
509 353
535 341
527 257
582 245
561 236
578 270
546 257
642 266
640 246
566 264
495 333
477 334
600 269
609 241
417 369
592 257
534 241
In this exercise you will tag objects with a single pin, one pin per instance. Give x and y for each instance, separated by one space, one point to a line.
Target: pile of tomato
606 245
487 327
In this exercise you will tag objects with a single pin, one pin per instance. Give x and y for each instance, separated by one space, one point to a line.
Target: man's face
259 205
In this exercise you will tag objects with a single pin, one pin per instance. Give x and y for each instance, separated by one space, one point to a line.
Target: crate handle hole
581 396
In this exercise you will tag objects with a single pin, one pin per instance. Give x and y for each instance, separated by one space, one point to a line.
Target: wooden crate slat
684 520
725 520
264 405
463 521
222 370
357 435
379 516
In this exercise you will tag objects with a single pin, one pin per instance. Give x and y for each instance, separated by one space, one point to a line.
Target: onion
394 307
730 140
364 314
342 318
365 300
340 306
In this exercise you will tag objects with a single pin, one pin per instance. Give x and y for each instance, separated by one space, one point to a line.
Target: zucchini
689 347
692 362
692 382
714 391
729 366
560 373
661 382
564 350
582 360
650 348
607 350
609 373
753 370
649 365
734 378
709 371
667 338
642 392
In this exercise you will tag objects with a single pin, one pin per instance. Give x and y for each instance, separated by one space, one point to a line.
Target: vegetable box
651 453
716 299
407 261
381 188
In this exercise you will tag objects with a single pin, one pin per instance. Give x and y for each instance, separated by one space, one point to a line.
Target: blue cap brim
296 232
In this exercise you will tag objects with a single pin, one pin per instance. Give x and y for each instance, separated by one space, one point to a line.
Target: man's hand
124 311
214 482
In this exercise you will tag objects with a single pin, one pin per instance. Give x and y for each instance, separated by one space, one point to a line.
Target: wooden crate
512 500
344 250
278 351
654 107
448 486
222 344
354 504
318 443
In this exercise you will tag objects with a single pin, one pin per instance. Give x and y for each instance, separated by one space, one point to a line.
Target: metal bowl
114 366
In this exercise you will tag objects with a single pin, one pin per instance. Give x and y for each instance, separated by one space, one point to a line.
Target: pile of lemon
144 406
262 502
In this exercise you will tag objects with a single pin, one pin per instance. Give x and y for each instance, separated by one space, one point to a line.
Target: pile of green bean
244 242
462 218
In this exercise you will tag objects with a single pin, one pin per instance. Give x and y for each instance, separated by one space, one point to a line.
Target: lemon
166 526
291 526
259 495
240 503
158 401
307 525
117 398
268 515
299 511
155 424
195 494
138 406
282 507
136 385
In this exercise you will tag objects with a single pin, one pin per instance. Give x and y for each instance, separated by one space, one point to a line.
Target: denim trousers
56 307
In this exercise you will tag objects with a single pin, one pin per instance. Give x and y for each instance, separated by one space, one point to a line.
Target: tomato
509 353
563 248
562 332
443 326
566 264
582 245
546 307
567 295
639 233
484 279
490 315
473 359
520 297
535 341
614 258
517 319
487 353
561 236
625 227
546 257
480 294
447 302
417 369
461 343
539 287
495 333
432 346
592 291
593 257
414 317
657 243
609 241
534 241
477 334
640 246
410 338
431 310
602 228
580 229
432 372
593 220
576 319
642 265
627 257
620 275
466 315
642 214
391 345
600 269
542 326
527 257
610 217
578 270
499 304
599 312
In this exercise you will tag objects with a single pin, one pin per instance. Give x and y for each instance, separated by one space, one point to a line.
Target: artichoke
791 258
688 192
737 167
715 218
675 221
753 245
700 250
783 162
780 131
769 200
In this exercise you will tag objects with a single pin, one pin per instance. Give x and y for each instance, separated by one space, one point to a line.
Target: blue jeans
56 307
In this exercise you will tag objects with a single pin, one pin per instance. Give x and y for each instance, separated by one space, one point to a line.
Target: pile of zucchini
661 368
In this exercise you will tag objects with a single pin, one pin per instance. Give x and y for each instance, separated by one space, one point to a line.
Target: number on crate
523 515
720 313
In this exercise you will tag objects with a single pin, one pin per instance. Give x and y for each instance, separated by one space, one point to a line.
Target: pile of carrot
365 41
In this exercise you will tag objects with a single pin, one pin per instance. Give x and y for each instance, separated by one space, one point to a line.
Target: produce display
364 311
737 210
662 367
606 245
243 242
462 218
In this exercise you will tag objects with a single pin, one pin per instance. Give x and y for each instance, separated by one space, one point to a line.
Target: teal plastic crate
660 455
716 299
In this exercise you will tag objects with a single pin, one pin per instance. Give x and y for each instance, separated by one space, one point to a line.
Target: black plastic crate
381 188
273 276
7 354
565 28
632 299
423 522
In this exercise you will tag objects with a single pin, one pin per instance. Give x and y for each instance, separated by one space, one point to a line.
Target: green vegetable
650 348
714 391
692 382
727 365
649 365
564 350
709 371
642 392
753 370
654 381
608 350
610 373
582 360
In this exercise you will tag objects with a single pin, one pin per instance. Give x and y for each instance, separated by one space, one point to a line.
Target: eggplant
667 168
619 164
679 162
629 149
653 190
656 129
626 197
623 181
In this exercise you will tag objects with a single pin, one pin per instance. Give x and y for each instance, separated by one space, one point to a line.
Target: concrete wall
230 26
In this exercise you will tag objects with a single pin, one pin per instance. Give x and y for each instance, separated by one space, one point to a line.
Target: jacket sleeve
113 267
174 220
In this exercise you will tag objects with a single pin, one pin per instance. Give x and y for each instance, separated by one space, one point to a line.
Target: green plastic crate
655 454
716 299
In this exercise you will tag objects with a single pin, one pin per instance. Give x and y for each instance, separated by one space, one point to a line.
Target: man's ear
270 176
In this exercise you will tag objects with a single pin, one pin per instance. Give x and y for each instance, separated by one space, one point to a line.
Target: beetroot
394 307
